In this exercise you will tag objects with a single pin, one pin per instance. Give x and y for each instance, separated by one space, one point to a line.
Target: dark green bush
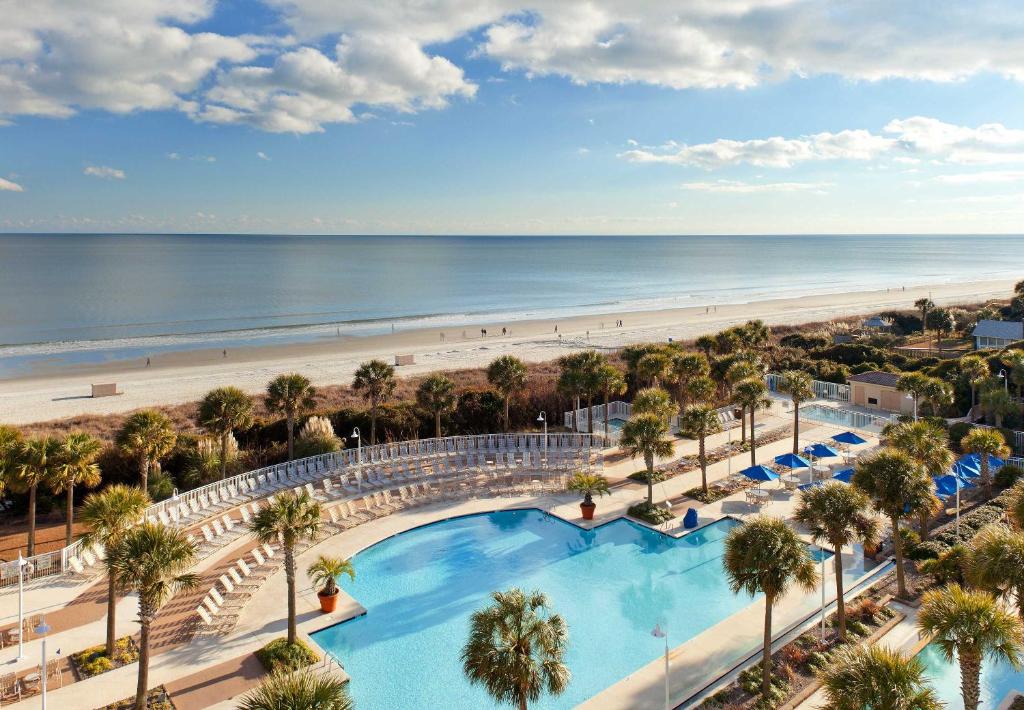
641 476
1008 475
653 514
278 654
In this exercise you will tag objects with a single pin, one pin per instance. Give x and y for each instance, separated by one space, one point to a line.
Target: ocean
79 298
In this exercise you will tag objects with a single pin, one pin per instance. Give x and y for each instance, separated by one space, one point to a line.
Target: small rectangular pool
845 418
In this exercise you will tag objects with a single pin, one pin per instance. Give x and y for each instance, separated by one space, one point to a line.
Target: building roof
877 322
1004 329
876 377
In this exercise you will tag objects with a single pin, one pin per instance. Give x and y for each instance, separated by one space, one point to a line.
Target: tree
995 563
738 371
701 390
701 421
685 367
152 560
291 395
324 573
924 305
306 688
915 384
76 466
970 625
580 377
876 677
645 435
897 487
766 556
289 520
222 411
705 343
507 374
974 370
800 388
985 443
1015 361
436 394
147 436
653 400
653 368
10 450
942 322
375 380
752 394
516 648
837 514
611 382
938 394
996 403
36 463
928 445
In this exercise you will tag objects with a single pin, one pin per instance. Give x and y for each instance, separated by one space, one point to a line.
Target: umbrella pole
958 509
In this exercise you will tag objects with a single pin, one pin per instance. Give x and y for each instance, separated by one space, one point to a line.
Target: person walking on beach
442 337
225 353
504 331
556 327
147 362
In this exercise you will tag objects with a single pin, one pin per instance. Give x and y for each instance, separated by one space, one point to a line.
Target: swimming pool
611 584
997 679
843 417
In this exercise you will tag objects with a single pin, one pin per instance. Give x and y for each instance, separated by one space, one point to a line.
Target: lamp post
729 457
42 630
359 457
22 564
914 400
543 419
839 561
1006 381
659 633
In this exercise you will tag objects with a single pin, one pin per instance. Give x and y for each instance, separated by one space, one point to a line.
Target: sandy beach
174 378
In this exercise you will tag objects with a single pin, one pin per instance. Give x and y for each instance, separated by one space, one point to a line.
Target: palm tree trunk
590 414
373 422
111 614
145 619
986 476
837 548
1020 600
753 444
437 424
796 427
703 465
923 519
289 568
69 515
291 437
897 542
32 520
649 462
766 653
522 700
144 473
508 401
743 425
970 679
224 454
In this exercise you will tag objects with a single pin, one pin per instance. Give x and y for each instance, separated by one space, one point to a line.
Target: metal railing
822 390
61 561
577 419
845 417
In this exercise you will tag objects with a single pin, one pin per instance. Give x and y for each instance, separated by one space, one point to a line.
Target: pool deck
198 668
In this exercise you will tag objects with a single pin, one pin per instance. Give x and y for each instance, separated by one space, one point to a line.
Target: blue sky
498 116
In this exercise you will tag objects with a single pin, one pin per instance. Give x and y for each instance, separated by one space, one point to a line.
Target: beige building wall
886 399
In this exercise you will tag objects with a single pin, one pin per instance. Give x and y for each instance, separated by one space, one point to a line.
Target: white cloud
261 155
988 176
102 171
915 138
10 186
733 186
174 156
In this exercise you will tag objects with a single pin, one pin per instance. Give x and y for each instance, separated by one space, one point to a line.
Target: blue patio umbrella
843 476
965 470
812 484
792 461
849 438
760 473
949 484
821 451
975 460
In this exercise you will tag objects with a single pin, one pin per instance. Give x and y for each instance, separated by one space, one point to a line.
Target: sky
512 116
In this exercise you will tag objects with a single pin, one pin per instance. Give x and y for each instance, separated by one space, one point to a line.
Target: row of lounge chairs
220 608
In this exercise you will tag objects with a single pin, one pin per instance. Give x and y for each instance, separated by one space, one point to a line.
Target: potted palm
590 485
324 573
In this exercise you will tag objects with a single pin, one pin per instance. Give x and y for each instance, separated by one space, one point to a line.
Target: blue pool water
612 585
843 417
997 679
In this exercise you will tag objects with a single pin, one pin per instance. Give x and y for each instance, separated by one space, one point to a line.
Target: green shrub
856 627
957 432
653 514
1008 475
94 660
928 550
641 476
947 567
714 493
314 446
278 654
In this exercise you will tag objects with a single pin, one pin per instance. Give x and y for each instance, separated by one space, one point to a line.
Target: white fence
846 418
823 390
577 420
64 560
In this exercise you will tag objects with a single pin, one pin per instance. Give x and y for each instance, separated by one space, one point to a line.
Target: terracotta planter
588 510
328 602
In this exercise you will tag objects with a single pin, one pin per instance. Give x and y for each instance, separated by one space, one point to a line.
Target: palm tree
324 573
653 367
36 462
974 370
996 403
507 374
291 395
653 400
941 320
764 555
147 436
800 387
897 487
586 373
701 390
376 380
924 305
1015 505
685 368
611 382
985 443
306 688
938 394
705 343
876 677
77 466
701 421
644 435
570 383
109 514
969 625
222 411
995 563
928 445
290 519
837 514
740 370
436 394
752 394
10 450
152 560
516 648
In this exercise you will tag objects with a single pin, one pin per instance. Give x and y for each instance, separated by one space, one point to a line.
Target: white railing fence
822 390
577 421
64 560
